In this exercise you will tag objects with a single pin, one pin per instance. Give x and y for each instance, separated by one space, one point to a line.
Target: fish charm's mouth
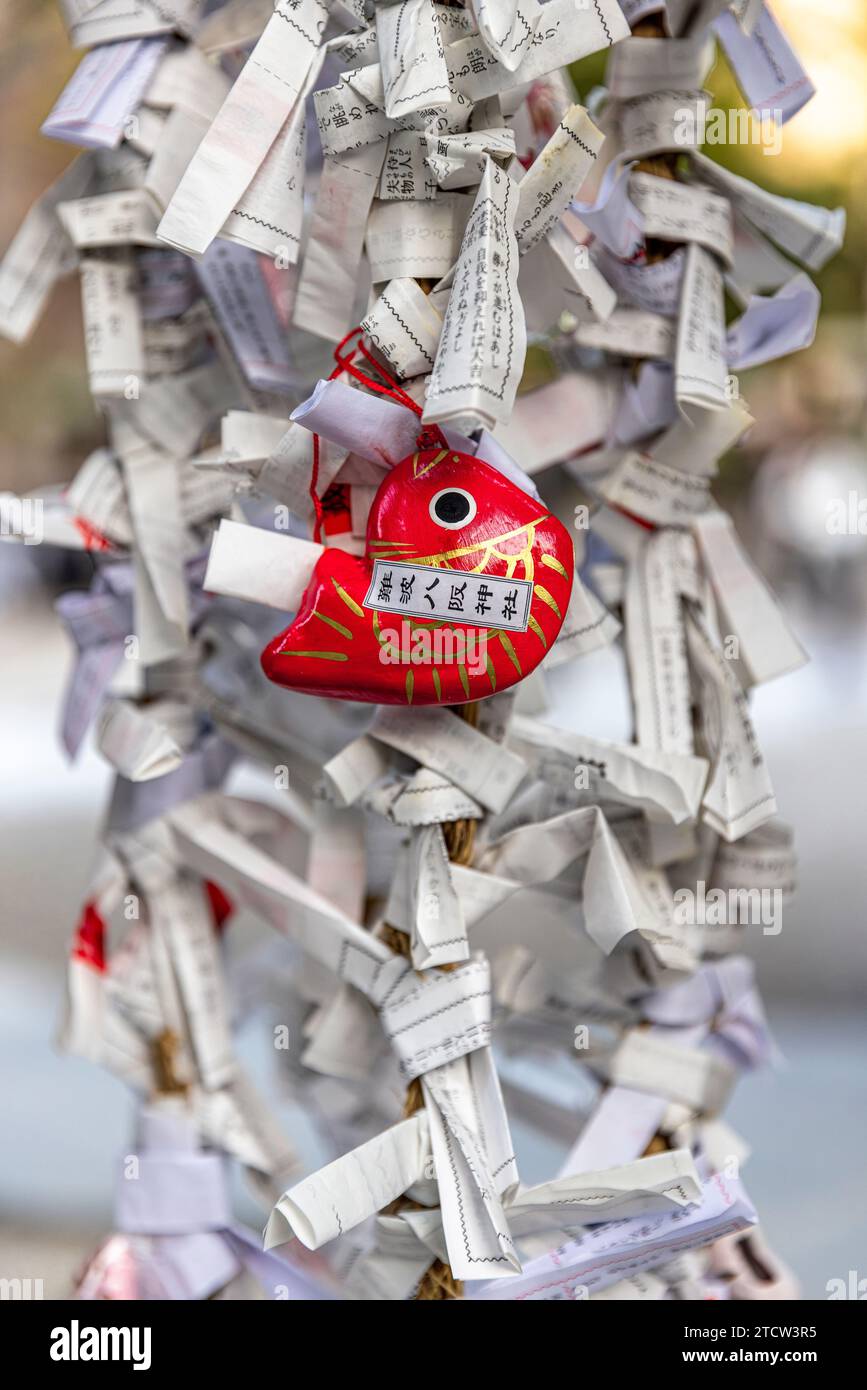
461 592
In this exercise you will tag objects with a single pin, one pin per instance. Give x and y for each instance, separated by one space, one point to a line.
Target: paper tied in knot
171 1187
98 623
172 1194
436 1018
723 996
175 1235
461 592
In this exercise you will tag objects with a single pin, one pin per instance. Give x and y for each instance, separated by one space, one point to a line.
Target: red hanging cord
317 500
346 364
430 438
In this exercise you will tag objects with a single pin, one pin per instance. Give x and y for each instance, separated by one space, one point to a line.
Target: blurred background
64 1121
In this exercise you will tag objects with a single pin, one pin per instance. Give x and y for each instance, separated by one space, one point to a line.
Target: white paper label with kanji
423 591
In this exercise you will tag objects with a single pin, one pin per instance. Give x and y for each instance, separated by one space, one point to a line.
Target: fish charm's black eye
452 508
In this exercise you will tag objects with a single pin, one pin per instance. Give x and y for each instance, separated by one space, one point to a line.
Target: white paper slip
619 1128
260 566
352 1188
659 494
459 160
406 175
355 49
110 219
471 384
747 13
235 25
414 73
766 67
809 233
349 120
424 799
671 1063
105 21
560 285
179 139
697 448
415 238
438 933
285 473
436 1018
378 429
644 65
508 27
739 796
269 215
475 1164
656 650
775 325
748 609
355 769
153 487
246 126
572 29
654 286
352 954
559 420
103 92
405 326
233 281
616 1249
587 626
556 175
40 252
764 858
112 323
611 217
681 212
172 412
700 368
330 272
642 1186
189 927
140 748
663 784
235 1118
446 744
660 121
635 332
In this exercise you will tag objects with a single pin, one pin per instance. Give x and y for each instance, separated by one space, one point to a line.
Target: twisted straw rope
437 1283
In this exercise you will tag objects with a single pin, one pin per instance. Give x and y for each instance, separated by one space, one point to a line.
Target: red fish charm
462 590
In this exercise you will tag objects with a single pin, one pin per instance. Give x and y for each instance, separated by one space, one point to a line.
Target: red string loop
345 363
317 500
429 438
